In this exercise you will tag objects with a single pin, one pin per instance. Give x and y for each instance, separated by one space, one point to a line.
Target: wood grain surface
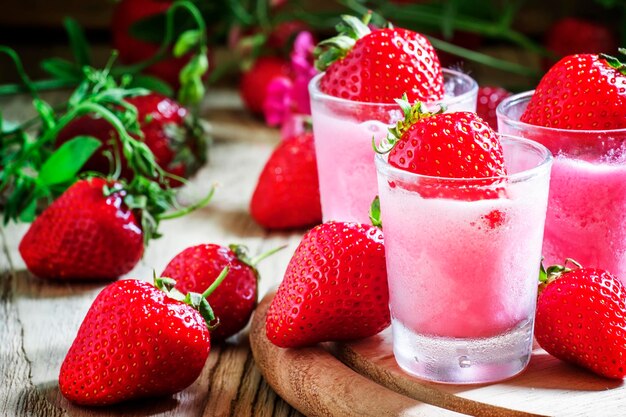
39 319
318 385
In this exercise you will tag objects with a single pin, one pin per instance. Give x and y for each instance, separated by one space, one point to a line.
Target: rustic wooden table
39 319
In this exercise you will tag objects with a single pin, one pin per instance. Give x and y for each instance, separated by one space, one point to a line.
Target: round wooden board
548 386
362 379
319 385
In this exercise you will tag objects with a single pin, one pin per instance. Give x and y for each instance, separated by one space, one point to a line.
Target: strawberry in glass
463 210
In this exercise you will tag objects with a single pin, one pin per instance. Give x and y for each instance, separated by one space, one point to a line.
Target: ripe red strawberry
137 341
379 66
569 36
178 145
581 92
84 234
254 82
452 145
132 50
488 99
287 193
581 318
233 301
335 288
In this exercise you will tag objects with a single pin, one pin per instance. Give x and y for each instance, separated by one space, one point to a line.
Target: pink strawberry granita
586 218
463 274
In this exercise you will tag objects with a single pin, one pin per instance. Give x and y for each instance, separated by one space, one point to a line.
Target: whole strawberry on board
487 102
563 99
335 288
138 340
287 193
255 80
197 267
379 66
581 318
174 136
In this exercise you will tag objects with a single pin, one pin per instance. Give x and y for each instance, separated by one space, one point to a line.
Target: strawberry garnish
287 193
581 319
197 267
138 340
335 288
446 145
380 65
581 92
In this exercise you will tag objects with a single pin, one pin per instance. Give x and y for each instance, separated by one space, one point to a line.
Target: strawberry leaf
186 42
65 163
78 42
61 69
374 213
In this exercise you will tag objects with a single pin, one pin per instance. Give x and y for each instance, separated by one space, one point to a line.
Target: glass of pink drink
586 217
343 131
463 272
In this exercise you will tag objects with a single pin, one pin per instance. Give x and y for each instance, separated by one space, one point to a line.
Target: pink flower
287 102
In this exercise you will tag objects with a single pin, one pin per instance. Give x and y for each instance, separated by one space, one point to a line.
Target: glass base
463 361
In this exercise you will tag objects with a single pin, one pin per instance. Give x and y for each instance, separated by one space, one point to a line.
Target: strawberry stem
616 62
412 114
216 283
254 261
188 209
351 29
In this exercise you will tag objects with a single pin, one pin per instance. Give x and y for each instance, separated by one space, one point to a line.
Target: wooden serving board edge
420 390
316 383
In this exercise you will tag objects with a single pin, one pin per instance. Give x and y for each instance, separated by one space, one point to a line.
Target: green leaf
46 112
78 42
186 42
62 69
151 83
374 214
29 213
63 165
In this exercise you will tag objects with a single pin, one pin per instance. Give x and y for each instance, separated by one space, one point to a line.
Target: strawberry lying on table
287 193
233 302
178 143
138 340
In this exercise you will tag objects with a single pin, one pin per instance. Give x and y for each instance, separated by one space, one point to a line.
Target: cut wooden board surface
318 385
547 387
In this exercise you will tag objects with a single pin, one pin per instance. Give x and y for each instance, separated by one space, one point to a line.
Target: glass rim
501 113
546 162
317 94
